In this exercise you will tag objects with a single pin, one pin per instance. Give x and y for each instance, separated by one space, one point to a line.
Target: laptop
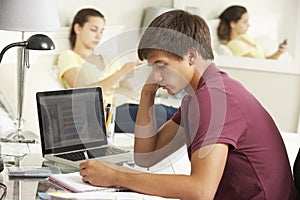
72 127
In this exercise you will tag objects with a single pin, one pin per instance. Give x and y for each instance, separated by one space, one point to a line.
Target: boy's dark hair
175 32
81 18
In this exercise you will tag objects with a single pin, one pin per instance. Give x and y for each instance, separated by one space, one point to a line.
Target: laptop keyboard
92 153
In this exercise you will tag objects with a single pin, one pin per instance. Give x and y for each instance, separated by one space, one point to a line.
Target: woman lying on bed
79 66
232 33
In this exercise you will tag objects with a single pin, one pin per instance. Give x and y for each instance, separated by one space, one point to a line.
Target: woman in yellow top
234 23
80 67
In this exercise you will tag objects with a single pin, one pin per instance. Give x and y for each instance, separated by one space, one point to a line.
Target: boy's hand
150 86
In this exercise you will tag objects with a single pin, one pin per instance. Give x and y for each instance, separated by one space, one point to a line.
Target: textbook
73 183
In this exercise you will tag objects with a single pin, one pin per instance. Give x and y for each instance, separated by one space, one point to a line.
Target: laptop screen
71 119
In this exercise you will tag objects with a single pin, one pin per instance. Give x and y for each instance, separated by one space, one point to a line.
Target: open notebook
73 183
72 125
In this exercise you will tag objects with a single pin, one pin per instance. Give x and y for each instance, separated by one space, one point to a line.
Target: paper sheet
107 196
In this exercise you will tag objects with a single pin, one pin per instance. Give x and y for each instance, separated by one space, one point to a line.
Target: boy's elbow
199 194
143 160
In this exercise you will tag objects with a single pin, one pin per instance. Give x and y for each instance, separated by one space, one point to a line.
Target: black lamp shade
40 42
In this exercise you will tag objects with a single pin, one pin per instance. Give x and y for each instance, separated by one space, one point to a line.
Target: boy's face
169 72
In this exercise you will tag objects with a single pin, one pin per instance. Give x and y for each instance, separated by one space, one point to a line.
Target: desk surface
22 188
27 189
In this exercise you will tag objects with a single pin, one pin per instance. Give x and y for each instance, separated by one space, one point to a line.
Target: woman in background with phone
234 23
80 67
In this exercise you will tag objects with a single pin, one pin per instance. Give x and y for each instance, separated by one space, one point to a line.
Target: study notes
73 183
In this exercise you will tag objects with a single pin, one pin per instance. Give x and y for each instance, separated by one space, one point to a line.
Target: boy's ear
192 56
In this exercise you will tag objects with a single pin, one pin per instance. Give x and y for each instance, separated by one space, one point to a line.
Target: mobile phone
284 41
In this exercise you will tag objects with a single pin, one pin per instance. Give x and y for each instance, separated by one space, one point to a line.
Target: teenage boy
236 150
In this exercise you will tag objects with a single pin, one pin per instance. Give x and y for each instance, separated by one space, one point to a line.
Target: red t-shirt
223 111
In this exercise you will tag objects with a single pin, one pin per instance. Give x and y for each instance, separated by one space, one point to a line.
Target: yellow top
69 59
239 47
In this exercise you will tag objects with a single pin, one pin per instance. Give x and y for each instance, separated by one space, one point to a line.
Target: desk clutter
36 185
32 172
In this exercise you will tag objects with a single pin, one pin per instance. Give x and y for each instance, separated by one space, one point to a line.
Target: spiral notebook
73 183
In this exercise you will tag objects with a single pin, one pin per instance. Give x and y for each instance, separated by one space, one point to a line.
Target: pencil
108 120
86 155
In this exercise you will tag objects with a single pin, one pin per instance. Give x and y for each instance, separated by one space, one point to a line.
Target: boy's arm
207 167
152 145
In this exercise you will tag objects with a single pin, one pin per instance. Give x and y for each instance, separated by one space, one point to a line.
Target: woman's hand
128 68
282 47
131 65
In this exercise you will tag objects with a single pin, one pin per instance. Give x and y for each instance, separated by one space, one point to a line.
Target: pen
86 155
107 110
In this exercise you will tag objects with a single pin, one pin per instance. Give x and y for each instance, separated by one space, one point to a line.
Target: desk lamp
27 16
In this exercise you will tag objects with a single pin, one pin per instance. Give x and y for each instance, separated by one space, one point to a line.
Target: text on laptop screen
71 119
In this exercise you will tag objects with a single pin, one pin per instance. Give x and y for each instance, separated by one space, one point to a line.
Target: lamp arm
23 44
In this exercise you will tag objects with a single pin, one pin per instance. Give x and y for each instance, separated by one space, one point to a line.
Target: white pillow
224 50
268 45
258 25
213 25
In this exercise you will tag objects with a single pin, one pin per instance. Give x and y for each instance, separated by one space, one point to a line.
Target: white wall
125 12
130 12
